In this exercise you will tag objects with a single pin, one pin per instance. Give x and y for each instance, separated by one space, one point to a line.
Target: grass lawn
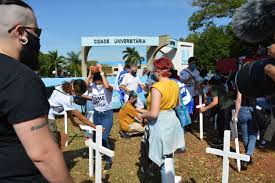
195 166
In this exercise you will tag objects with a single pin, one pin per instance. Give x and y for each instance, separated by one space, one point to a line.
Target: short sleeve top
22 98
169 91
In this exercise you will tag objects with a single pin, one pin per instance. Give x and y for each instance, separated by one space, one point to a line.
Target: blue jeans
105 119
249 132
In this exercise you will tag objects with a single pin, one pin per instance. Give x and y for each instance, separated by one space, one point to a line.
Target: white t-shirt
131 83
185 74
59 102
101 99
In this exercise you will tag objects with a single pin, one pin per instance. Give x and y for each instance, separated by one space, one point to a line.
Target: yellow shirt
169 95
126 116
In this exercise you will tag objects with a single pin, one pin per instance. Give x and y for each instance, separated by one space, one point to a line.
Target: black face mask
134 73
30 52
154 77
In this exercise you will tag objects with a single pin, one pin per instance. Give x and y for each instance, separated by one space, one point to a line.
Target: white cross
99 149
201 118
226 155
66 126
234 132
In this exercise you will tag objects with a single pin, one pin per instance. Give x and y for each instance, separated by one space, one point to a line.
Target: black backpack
49 91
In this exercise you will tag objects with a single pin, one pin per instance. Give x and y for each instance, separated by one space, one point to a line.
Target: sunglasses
36 30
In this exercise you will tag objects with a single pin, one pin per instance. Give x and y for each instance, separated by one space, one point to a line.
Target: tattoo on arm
37 127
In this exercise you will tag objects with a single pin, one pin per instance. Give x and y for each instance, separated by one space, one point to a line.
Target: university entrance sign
120 41
178 51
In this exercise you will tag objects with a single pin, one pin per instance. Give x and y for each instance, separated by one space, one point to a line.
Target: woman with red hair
166 134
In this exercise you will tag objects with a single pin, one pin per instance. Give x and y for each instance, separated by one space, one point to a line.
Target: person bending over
61 100
224 103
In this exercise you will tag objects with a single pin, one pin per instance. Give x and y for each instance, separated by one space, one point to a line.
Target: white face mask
99 87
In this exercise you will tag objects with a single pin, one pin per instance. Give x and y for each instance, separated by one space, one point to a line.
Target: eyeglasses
36 30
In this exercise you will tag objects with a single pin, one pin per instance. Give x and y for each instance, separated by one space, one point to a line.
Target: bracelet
102 73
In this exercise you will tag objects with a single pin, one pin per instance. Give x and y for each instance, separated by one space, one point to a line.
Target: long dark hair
79 85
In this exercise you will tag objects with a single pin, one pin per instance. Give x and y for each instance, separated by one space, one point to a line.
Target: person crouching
129 120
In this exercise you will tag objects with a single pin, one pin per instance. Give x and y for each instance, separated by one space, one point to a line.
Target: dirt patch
195 166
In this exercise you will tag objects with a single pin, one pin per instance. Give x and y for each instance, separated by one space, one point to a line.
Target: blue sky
65 21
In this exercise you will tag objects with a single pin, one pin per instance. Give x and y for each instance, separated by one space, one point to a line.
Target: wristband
102 73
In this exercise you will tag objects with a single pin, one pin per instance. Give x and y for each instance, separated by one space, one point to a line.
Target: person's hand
129 92
99 67
139 118
270 71
144 122
235 118
203 109
189 79
77 125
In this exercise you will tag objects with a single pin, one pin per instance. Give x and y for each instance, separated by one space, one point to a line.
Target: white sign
99 149
226 155
120 41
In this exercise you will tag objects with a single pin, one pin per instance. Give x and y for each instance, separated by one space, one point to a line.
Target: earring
24 40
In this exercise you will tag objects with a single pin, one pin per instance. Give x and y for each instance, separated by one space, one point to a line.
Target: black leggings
224 119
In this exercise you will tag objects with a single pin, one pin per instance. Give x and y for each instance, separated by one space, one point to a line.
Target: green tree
210 9
131 56
55 60
215 43
46 67
75 63
50 62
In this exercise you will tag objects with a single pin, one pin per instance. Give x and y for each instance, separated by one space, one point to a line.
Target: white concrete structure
179 52
99 149
226 154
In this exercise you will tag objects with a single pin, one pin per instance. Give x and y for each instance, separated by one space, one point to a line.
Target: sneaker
244 165
217 142
124 135
108 165
263 144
